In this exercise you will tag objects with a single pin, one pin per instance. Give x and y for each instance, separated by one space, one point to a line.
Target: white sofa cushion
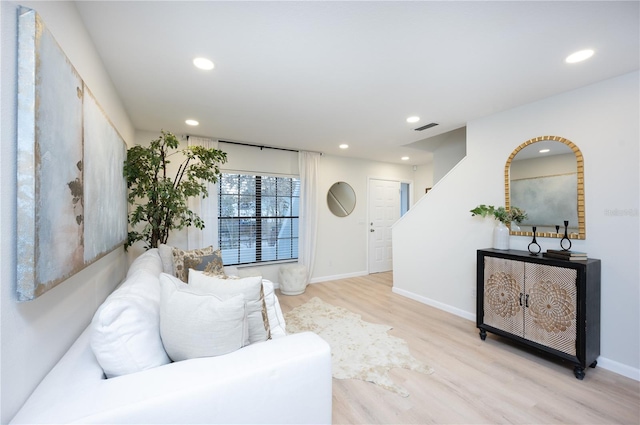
249 287
125 335
149 261
194 323
284 381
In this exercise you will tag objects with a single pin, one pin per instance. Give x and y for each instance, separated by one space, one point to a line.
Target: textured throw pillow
197 324
125 330
166 255
277 326
211 265
249 287
265 317
178 260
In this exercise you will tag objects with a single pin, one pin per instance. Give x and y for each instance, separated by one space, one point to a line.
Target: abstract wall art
71 192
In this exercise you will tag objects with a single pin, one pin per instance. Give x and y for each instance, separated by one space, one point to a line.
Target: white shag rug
359 350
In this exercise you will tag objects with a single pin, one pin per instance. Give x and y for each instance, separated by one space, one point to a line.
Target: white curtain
308 164
206 208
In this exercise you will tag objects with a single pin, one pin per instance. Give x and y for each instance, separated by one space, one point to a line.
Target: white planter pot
501 236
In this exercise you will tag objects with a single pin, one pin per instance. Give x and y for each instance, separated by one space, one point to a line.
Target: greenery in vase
160 200
500 213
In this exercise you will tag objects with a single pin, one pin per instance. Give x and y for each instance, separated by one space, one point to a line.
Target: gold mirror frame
580 170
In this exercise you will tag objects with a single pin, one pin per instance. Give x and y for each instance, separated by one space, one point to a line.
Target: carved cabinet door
551 301
503 294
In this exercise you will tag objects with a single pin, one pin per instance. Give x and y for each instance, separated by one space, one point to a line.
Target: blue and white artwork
65 149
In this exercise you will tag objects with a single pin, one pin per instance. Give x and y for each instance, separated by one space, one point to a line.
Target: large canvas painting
71 192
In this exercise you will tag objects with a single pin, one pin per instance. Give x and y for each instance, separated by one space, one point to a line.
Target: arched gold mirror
545 177
341 199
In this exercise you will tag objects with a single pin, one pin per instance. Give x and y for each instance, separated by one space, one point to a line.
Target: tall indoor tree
160 200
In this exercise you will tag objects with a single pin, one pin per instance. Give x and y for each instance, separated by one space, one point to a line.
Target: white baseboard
603 362
436 304
619 368
338 276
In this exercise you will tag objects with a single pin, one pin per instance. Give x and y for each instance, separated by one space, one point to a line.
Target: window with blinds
258 218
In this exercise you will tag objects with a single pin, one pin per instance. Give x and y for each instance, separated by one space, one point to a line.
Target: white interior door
384 210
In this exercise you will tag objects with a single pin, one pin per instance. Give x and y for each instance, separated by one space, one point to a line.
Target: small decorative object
504 217
565 243
534 248
501 236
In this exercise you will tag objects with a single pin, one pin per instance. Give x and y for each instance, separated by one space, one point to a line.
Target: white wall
603 121
423 179
450 151
35 334
342 243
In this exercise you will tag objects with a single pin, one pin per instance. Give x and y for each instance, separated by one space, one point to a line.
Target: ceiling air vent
424 127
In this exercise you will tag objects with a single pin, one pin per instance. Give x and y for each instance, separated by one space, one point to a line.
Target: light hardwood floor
475 382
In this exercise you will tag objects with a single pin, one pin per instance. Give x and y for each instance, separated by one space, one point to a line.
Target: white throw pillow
125 334
197 324
274 312
249 287
166 255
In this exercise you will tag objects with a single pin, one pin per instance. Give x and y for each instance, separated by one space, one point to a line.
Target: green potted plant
504 217
500 213
160 200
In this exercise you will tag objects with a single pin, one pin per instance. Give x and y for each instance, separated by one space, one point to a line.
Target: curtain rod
257 146
261 146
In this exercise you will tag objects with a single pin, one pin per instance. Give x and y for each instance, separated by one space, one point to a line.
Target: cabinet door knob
521 294
526 301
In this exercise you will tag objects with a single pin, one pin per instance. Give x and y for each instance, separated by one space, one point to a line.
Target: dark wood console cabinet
551 305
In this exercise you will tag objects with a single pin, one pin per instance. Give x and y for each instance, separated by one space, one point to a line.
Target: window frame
256 221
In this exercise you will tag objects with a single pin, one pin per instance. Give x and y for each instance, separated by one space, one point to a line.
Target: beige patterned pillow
211 265
265 316
179 256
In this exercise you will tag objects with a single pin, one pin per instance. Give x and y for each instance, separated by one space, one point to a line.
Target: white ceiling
312 75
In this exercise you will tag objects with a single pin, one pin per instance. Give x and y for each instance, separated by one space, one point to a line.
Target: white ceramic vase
501 236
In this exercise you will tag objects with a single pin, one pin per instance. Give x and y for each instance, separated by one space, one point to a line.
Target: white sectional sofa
286 379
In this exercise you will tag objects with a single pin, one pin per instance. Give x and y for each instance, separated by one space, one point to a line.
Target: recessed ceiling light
405 158
344 146
192 122
579 56
203 63
413 119
543 150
